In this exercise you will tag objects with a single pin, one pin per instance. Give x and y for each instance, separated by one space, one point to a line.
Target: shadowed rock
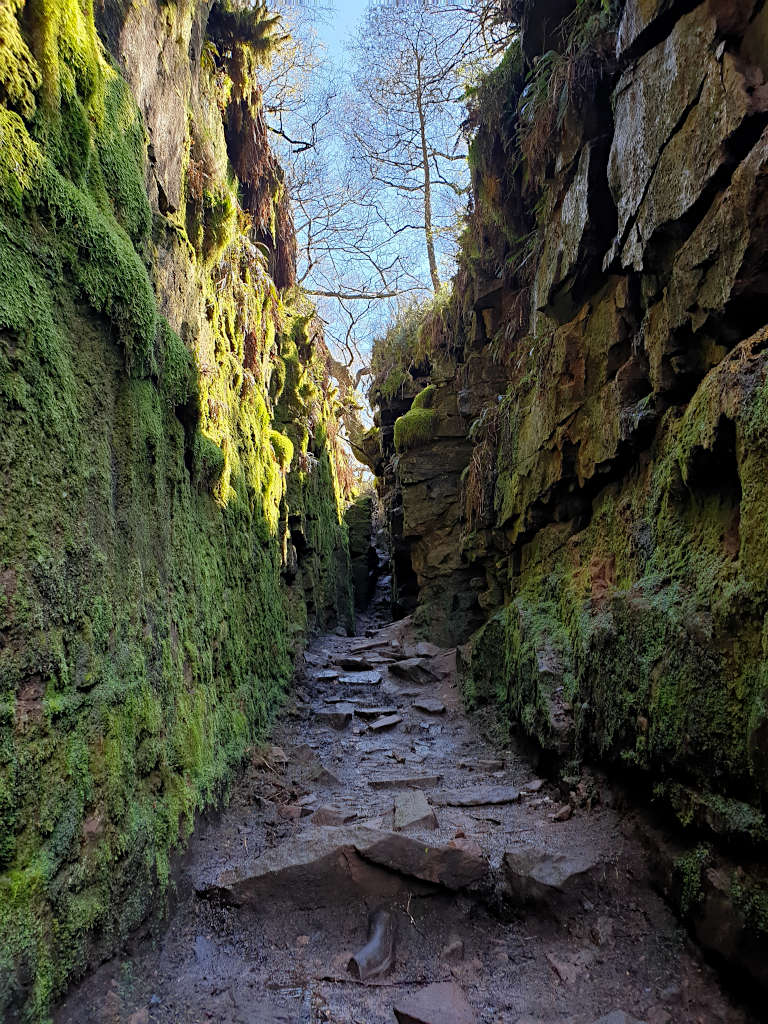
321 866
414 670
338 716
354 664
533 874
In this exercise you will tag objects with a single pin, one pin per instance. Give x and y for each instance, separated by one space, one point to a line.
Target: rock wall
583 472
170 515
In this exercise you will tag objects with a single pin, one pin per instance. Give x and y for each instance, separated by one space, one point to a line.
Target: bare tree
375 159
413 62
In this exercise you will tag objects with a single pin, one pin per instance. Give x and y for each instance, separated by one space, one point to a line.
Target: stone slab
477 796
413 811
405 781
441 1003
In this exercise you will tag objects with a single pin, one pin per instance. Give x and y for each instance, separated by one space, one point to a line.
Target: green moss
219 223
688 871
414 429
425 398
143 516
751 899
177 372
20 76
283 447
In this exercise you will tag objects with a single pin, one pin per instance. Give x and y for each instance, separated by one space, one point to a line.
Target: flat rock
533 873
326 674
565 970
431 705
372 678
387 722
413 670
374 712
322 865
320 776
354 664
477 796
315 659
470 846
443 865
413 811
423 649
316 868
405 781
483 765
292 812
333 816
442 1003
338 716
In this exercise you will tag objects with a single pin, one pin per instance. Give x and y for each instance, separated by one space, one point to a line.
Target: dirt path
516 918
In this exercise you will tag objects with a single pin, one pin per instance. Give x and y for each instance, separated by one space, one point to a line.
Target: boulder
533 874
338 716
444 865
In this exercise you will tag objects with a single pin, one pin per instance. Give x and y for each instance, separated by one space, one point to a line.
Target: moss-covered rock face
170 516
607 333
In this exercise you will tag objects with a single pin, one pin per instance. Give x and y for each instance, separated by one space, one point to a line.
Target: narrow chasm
383 531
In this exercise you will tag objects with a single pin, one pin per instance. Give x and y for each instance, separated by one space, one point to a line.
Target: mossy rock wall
610 371
151 600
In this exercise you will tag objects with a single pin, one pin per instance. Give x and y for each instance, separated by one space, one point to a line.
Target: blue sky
336 31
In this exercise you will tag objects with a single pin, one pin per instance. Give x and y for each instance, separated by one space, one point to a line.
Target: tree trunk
428 231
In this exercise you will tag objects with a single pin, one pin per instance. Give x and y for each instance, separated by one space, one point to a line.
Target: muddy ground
593 941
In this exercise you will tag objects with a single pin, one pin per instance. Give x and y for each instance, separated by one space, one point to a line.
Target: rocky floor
503 905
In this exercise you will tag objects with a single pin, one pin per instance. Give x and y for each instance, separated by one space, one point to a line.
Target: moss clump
283 448
414 429
425 398
219 223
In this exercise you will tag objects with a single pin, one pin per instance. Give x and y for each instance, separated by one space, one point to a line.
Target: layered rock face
591 481
170 515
